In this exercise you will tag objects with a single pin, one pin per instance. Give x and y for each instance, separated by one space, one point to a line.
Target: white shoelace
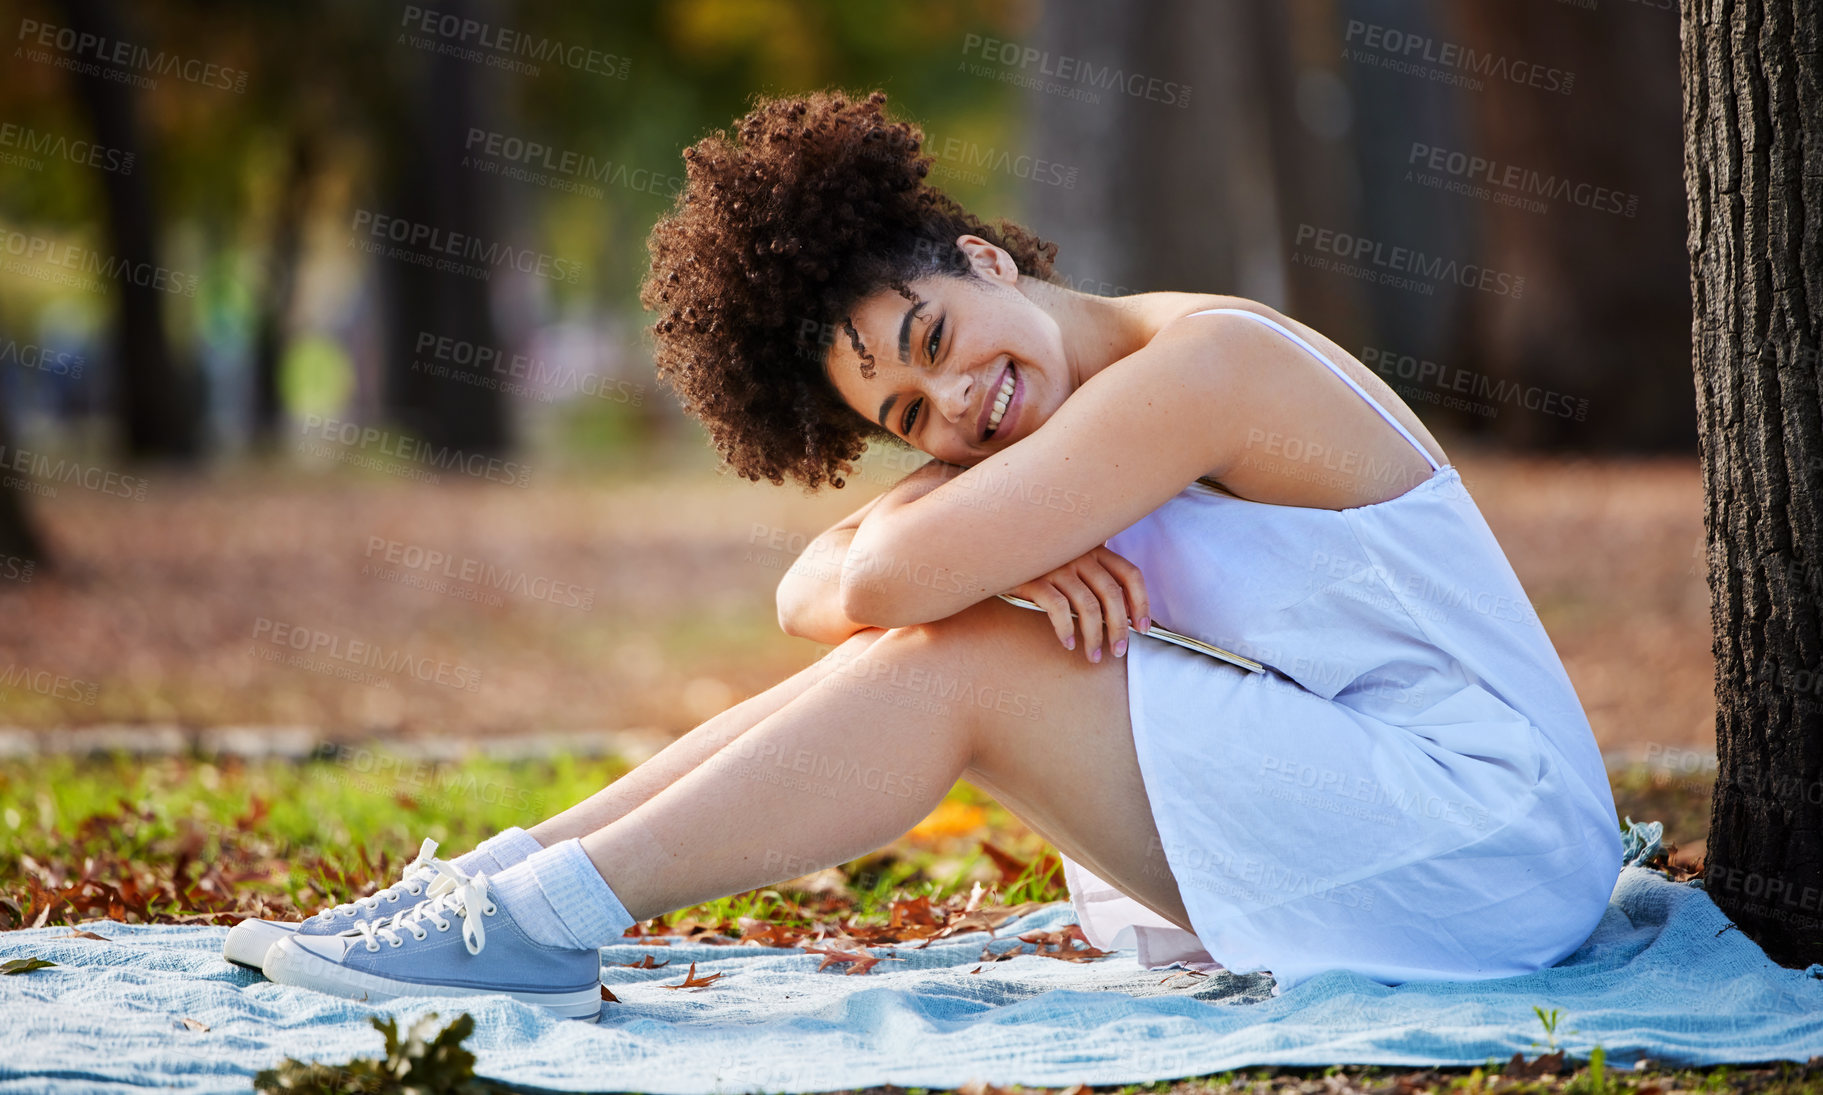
419 873
453 893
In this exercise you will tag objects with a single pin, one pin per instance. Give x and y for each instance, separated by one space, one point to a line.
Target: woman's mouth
1006 403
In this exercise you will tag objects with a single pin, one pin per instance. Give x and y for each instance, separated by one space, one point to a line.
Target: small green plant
419 1064
1550 1019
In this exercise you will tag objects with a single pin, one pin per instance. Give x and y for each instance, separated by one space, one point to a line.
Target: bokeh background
319 321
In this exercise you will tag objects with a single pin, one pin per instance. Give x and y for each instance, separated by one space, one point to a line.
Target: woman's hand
1104 590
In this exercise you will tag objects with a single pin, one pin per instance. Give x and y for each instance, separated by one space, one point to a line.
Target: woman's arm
1124 442
810 594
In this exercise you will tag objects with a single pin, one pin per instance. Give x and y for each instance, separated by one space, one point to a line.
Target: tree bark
1753 108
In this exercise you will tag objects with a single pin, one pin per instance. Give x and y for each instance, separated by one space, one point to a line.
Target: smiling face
944 364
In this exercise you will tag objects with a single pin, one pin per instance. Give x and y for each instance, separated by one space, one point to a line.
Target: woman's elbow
878 604
871 604
860 603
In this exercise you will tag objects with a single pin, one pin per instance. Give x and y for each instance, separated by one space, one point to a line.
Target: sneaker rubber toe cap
249 940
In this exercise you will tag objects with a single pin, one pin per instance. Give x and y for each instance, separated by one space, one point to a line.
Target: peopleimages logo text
509 43
356 436
460 245
130 56
1408 260
1076 70
1408 48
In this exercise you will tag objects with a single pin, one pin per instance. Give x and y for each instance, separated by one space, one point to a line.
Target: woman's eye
911 416
936 337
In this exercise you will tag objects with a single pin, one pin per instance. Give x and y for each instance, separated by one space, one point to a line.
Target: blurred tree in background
299 170
1539 141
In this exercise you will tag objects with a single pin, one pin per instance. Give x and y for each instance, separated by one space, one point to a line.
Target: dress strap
1314 352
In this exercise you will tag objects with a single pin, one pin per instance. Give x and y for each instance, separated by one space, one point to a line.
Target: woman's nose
952 397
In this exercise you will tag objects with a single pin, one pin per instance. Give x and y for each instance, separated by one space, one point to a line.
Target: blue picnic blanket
1664 975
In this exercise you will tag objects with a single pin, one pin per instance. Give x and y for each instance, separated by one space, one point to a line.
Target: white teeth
1000 402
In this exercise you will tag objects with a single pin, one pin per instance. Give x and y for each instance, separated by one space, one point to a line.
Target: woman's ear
987 260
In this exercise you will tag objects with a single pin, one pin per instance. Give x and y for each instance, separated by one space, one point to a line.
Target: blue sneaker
413 953
249 940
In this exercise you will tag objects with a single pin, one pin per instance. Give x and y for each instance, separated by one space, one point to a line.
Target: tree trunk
427 185
279 289
157 405
1752 109
1172 189
1602 321
18 537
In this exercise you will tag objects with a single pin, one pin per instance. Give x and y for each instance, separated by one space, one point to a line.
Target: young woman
1409 790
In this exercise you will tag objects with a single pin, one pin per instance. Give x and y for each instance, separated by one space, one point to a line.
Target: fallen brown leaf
692 981
769 935
1062 944
987 954
861 959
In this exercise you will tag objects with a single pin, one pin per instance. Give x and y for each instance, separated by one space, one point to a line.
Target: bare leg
863 753
663 768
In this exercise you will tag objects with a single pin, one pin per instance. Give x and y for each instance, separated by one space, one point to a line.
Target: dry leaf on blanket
25 965
692 981
987 954
861 959
1062 944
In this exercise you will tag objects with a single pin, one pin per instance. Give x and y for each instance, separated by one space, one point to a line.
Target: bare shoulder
1293 430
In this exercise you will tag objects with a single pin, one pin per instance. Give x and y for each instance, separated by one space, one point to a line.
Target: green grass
357 797
181 836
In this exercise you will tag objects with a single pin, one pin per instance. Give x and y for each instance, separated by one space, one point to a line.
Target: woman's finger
1056 607
1139 606
1088 612
1113 599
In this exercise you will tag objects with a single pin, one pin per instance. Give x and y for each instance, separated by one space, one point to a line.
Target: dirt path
585 604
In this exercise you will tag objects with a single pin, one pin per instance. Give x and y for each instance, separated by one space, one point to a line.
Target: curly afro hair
816 203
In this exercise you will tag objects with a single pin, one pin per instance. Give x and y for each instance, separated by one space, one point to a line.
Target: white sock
558 898
498 852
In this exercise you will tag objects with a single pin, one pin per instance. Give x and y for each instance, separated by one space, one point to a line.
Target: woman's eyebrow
886 405
905 332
